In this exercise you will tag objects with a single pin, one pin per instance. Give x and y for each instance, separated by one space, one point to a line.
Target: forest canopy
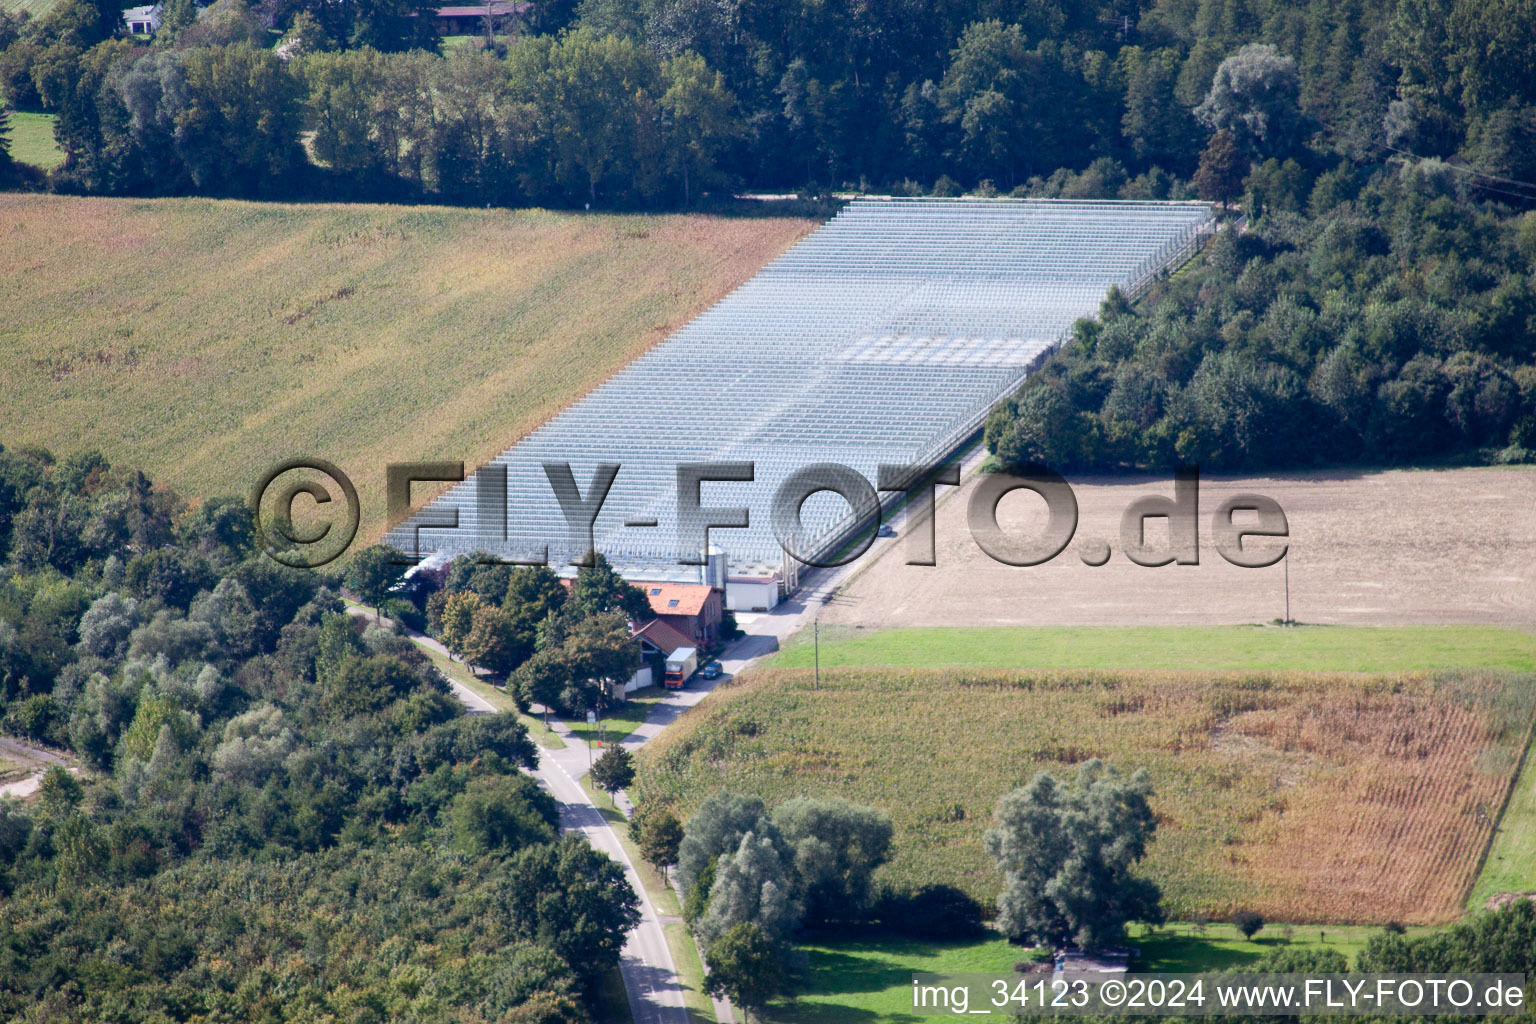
277 811
649 102
1371 303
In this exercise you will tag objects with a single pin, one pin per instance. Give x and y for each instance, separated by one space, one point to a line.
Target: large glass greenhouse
884 337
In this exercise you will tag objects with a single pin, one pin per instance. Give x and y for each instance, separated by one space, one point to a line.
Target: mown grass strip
1187 947
1510 863
1174 648
870 979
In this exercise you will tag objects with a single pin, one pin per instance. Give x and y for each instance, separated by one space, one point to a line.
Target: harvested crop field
1306 797
1379 548
202 340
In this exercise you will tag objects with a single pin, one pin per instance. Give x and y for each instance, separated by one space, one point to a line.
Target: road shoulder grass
622 719
685 952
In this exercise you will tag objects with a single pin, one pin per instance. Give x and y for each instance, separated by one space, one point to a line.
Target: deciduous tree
752 883
494 641
458 618
1220 174
574 900
716 828
614 770
658 834
836 847
700 119
747 967
374 572
1255 98
1067 853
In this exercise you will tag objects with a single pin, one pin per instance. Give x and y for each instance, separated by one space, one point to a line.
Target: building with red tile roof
691 609
656 637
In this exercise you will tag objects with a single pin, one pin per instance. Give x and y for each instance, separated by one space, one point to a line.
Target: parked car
886 530
712 670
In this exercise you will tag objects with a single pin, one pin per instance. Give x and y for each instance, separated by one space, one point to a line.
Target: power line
1465 169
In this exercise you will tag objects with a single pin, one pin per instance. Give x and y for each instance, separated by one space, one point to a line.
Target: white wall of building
746 595
639 681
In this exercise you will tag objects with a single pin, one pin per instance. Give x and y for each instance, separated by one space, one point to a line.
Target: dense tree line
648 101
1379 319
753 879
278 813
1376 306
563 647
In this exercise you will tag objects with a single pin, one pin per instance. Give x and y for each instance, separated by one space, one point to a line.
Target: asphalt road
646 965
650 975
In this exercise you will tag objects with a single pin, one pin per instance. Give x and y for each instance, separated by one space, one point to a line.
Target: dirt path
1389 548
27 755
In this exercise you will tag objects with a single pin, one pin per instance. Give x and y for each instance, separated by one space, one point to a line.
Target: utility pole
816 644
1287 588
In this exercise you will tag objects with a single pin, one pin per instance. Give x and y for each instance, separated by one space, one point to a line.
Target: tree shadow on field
832 1013
1193 953
836 973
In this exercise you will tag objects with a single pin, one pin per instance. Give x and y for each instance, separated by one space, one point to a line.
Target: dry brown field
1403 547
204 340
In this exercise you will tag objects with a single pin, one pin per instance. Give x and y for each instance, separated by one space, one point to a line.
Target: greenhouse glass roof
883 337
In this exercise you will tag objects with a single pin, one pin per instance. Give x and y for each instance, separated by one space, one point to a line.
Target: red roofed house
656 637
691 609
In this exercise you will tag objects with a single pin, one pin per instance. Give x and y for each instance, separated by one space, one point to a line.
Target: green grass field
203 340
858 980
1177 648
32 140
1511 862
871 979
622 719
1187 948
